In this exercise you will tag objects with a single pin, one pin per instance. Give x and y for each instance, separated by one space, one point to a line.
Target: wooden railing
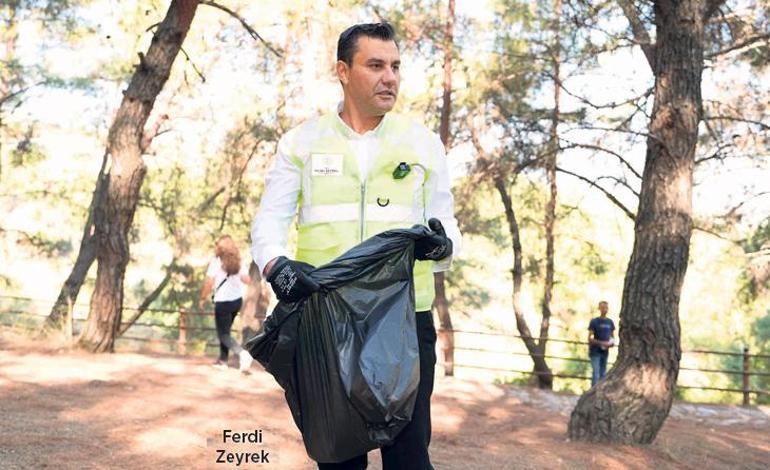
179 336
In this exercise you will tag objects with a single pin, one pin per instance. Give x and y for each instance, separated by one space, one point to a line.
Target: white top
269 230
365 147
232 288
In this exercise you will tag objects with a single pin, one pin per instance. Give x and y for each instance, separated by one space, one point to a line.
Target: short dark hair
346 45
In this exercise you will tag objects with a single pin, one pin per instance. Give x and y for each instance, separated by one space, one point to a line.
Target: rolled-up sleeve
441 203
270 228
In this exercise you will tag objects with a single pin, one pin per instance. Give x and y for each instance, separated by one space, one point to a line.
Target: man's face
603 308
371 82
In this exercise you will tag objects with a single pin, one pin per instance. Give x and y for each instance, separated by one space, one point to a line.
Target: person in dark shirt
601 337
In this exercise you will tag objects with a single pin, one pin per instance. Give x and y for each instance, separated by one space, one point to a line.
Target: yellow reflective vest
337 209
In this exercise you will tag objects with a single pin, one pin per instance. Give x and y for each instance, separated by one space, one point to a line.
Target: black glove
290 281
435 246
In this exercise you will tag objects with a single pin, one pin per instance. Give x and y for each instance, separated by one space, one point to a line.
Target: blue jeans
599 365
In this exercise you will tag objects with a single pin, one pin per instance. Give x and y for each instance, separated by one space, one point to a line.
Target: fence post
448 349
746 396
181 345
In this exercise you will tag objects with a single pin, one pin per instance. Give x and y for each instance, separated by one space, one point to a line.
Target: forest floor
63 408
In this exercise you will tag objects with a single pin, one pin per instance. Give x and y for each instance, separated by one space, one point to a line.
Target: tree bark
632 402
113 218
446 332
68 295
446 98
9 36
550 172
541 369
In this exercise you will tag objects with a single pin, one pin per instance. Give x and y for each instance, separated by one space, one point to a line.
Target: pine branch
621 182
20 91
737 119
609 195
149 134
732 213
711 8
740 45
252 32
195 68
170 269
641 35
605 150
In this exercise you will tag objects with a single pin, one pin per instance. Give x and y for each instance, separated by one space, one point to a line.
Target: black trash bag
347 357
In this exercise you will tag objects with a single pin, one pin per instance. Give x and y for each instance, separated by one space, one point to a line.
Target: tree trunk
541 369
254 304
9 36
550 172
113 218
68 295
446 99
632 402
446 332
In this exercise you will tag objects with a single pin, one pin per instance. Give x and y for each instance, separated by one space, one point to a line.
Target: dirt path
67 409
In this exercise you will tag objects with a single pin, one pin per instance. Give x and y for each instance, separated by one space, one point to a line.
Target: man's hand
435 246
290 281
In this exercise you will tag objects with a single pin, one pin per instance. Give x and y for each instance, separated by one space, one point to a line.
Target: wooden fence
178 336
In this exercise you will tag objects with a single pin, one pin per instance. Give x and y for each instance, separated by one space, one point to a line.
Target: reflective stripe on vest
351 211
337 211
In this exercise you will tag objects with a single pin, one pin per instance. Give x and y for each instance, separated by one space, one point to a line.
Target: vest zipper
362 213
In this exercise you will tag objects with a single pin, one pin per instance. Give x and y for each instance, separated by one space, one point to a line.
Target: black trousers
410 449
224 314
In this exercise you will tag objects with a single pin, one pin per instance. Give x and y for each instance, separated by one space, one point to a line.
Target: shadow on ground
67 409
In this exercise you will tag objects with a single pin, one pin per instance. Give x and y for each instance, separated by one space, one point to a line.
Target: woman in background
226 278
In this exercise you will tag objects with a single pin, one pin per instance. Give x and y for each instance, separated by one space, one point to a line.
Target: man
601 337
351 174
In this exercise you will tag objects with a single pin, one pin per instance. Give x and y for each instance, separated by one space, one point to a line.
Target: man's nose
389 77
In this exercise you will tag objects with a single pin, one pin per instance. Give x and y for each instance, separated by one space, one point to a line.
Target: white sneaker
246 360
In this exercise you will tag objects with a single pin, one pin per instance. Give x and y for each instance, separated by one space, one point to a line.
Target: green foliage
27 152
761 330
519 380
593 264
761 333
191 211
6 281
45 245
756 277
465 295
419 25
476 216
759 238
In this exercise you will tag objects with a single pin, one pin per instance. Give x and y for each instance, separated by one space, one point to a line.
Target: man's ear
342 72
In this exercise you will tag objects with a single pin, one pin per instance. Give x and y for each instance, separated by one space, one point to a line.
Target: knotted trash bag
347 357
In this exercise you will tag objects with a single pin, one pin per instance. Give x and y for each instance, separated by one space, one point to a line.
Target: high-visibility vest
337 210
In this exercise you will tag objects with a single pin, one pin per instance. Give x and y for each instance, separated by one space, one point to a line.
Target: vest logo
326 164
